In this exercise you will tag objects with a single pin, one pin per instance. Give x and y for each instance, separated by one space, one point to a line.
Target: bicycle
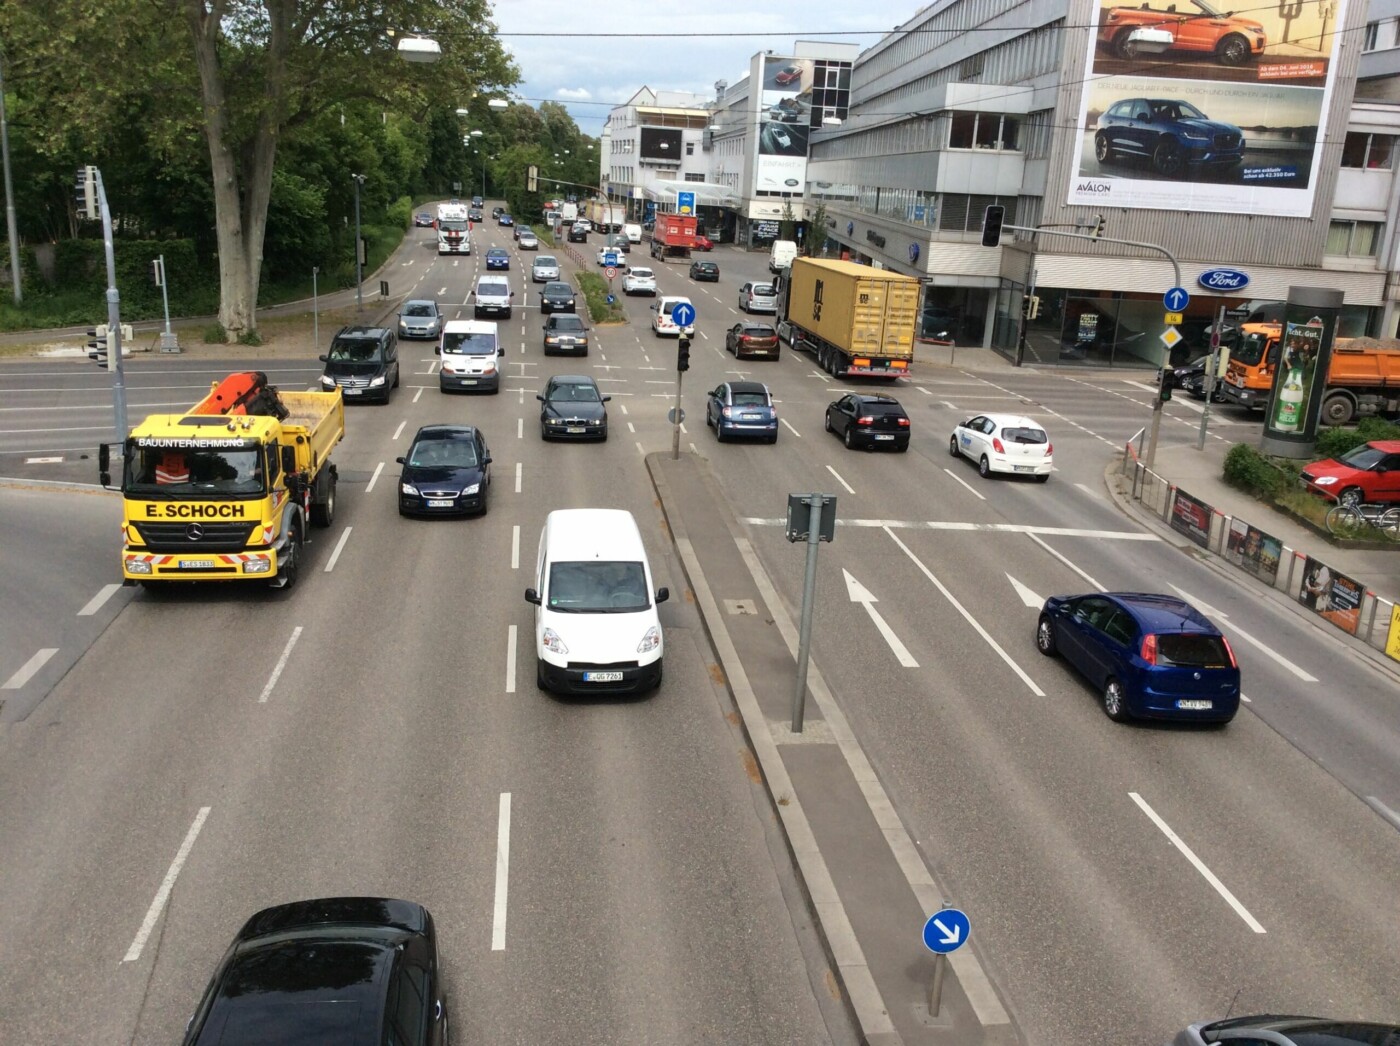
1347 520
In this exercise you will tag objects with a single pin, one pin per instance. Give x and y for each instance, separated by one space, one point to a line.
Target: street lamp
9 192
359 279
419 49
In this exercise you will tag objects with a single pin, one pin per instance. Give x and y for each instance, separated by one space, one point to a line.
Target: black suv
704 271
339 969
578 233
363 362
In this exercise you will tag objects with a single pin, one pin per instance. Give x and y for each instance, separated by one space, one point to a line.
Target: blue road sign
946 931
683 315
610 258
611 299
685 203
1176 299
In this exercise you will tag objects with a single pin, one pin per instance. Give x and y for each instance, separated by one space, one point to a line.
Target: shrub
595 290
1250 471
401 212
1333 443
214 334
250 337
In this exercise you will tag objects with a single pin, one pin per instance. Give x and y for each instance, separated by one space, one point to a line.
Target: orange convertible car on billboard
1199 28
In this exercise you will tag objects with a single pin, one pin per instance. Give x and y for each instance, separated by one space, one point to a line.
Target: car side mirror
486 459
531 596
399 460
663 594
606 398
539 397
322 359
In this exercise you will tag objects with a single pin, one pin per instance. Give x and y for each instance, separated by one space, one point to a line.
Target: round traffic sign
1176 299
683 315
610 273
671 415
946 931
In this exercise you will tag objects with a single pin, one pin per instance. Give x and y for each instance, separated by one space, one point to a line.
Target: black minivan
363 362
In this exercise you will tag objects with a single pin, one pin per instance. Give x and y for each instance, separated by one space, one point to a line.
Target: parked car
1283 1030
556 296
498 258
571 407
1173 135
1198 28
704 272
577 233
504 220
420 318
327 970
423 220
742 408
544 268
1192 378
564 333
758 297
1369 474
447 472
639 280
1148 655
527 241
703 242
748 339
869 421
363 362
1004 443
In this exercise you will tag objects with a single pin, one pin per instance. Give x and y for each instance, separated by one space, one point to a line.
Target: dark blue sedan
498 258
1150 656
742 408
446 472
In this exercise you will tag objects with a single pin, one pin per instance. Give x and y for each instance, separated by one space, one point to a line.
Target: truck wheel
323 512
1338 409
291 563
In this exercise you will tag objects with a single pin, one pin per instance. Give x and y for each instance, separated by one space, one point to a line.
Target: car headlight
1197 137
650 641
403 326
408 488
595 421
490 368
376 382
1326 481
327 381
475 488
552 642
570 302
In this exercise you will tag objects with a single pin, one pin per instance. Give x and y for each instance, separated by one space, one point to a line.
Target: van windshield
492 290
593 587
355 350
469 344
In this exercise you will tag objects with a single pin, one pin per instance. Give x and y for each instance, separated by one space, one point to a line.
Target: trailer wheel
1338 408
323 511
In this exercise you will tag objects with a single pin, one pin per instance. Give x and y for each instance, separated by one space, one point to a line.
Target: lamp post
9 191
482 153
359 279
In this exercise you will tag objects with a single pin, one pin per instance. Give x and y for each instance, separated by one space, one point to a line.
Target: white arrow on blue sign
946 931
683 315
1176 299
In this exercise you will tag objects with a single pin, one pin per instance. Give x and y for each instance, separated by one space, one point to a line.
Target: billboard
784 115
661 143
1188 108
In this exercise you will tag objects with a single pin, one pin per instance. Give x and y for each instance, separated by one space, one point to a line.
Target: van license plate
602 677
439 502
1195 706
468 381
197 564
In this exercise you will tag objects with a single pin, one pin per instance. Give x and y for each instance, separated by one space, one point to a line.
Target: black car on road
564 332
704 272
571 407
363 362
556 296
869 421
446 472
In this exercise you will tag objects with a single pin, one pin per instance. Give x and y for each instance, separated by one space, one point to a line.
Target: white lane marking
510 661
519 428
27 670
986 636
631 428
970 488
94 604
624 407
862 595
1258 644
519 466
515 547
923 390
1385 811
418 395
335 555
399 431
790 428
683 429
1209 876
442 291
281 664
936 524
369 487
43 461
954 406
498 914
1245 699
849 489
641 449
1024 594
1063 559
167 884
1090 491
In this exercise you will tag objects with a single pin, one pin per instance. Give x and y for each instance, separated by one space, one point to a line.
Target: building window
690 148
1368 38
695 177
959 212
984 131
1353 239
1368 151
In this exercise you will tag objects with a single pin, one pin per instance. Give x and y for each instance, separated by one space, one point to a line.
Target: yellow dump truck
226 490
857 321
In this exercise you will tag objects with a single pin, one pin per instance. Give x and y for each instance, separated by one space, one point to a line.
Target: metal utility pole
10 225
359 261
676 424
315 309
1208 384
114 317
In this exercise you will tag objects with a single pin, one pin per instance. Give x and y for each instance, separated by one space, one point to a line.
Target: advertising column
1304 353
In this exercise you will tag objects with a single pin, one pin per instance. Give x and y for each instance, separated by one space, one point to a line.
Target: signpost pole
1212 365
809 594
676 426
935 987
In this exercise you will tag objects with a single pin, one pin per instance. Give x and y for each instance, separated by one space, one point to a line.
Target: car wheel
1115 702
1125 47
953 446
1233 50
774 439
984 467
1045 636
1168 159
1350 496
826 423
1103 151
849 439
544 432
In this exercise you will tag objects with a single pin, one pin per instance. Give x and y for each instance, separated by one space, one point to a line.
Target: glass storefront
954 314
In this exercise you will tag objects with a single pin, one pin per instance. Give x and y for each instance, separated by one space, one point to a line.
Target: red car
787 75
704 243
1370 473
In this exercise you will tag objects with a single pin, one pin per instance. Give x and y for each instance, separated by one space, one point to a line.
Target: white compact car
1004 443
661 322
639 280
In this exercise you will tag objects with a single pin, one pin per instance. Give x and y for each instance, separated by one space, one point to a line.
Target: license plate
884 437
602 677
575 429
1023 468
351 392
439 502
468 381
753 417
1195 705
197 564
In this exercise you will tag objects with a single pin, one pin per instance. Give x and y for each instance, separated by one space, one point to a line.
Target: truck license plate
602 677
439 502
1195 705
197 564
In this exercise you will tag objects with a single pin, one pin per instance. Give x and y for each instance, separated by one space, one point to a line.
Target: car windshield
419 308
546 261
597 588
452 224
565 323
1363 457
1175 110
1192 650
1019 435
1212 12
193 472
1250 349
456 342
443 453
571 393
497 252
750 399
355 350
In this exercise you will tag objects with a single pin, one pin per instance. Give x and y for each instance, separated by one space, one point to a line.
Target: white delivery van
661 322
782 255
492 296
469 351
596 626
632 232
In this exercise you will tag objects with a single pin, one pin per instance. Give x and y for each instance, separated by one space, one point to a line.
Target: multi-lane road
613 872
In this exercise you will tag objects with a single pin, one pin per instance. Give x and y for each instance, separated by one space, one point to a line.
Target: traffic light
102 345
992 218
682 353
85 191
1096 228
532 178
1030 306
1168 382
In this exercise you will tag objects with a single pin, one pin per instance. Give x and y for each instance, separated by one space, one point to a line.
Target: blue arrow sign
683 315
1176 299
946 931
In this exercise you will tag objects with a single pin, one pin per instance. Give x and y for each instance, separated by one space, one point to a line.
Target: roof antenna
1232 1003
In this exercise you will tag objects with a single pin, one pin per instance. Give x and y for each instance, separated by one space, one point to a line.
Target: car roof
754 325
471 327
747 386
571 379
419 301
593 533
875 397
359 330
1156 612
1387 446
1015 421
444 432
564 317
545 259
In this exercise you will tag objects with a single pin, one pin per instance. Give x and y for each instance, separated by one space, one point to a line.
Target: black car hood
348 368
445 475
568 410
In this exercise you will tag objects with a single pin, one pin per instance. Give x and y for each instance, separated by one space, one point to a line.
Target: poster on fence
1192 518
1253 551
1392 638
1331 595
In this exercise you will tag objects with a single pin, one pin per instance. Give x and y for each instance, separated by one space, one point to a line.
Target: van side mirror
501 350
663 594
531 596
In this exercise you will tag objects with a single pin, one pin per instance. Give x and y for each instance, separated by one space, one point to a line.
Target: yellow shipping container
860 310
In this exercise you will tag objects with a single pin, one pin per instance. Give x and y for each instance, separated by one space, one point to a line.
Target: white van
661 322
493 296
469 351
596 626
782 255
633 233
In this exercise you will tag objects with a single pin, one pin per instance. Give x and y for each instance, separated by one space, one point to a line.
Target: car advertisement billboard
661 143
784 116
1186 107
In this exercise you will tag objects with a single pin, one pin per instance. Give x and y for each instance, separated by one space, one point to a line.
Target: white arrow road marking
1027 596
862 595
949 936
1258 644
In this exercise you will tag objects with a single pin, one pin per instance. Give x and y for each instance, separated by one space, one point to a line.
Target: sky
591 74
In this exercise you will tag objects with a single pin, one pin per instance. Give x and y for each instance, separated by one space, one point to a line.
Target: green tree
815 237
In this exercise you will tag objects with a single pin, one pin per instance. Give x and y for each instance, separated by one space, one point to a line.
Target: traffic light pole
676 428
114 318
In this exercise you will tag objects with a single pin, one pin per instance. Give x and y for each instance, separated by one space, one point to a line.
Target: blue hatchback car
498 258
1150 656
742 408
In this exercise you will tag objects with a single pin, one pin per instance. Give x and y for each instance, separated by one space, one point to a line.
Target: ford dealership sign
1223 279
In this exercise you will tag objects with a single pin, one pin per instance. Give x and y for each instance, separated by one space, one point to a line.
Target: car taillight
1231 651
724 411
1049 449
867 420
904 423
1149 649
996 446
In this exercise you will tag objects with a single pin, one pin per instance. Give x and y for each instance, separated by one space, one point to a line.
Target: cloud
573 94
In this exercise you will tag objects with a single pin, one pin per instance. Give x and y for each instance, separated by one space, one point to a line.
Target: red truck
673 237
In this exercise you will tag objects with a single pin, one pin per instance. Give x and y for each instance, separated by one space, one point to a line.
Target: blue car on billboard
1173 135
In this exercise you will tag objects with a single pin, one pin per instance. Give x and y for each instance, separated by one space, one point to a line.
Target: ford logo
1223 279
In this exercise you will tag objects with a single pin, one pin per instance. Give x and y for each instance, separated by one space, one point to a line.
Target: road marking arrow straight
862 595
1026 595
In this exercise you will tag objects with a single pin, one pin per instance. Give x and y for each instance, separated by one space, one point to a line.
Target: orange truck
673 236
1364 377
